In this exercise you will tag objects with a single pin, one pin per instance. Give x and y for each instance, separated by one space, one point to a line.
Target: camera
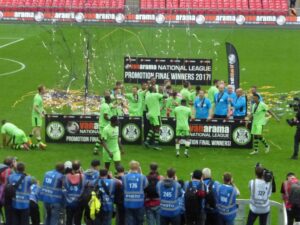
296 104
267 174
292 122
296 107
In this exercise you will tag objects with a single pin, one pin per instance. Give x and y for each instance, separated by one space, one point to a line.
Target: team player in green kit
14 137
182 115
152 103
38 113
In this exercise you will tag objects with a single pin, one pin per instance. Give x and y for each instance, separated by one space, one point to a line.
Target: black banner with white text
196 71
233 66
214 133
85 129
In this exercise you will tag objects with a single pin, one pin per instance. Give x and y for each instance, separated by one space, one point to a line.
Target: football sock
149 136
263 140
255 144
156 138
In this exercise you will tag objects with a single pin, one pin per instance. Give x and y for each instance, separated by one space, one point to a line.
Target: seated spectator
202 106
226 200
20 203
195 191
169 191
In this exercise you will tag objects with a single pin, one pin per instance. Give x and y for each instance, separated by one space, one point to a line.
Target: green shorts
257 129
182 133
20 138
37 121
154 120
116 156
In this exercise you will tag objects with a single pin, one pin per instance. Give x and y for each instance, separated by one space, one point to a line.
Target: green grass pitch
53 55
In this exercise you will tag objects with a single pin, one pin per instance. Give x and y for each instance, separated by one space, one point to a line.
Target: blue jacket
208 182
226 202
21 201
200 186
91 176
34 194
169 192
240 106
202 107
51 190
134 185
73 188
107 201
221 104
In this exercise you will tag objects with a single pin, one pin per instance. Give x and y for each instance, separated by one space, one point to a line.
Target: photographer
226 200
261 190
296 121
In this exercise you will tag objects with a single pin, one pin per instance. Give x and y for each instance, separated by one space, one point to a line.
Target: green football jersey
259 113
134 102
153 103
37 102
9 129
211 93
111 137
186 94
142 95
163 108
171 104
182 115
104 109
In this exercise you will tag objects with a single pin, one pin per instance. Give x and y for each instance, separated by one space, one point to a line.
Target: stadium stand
228 7
101 6
225 7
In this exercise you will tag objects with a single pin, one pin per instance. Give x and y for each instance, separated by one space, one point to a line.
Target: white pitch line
11 43
23 66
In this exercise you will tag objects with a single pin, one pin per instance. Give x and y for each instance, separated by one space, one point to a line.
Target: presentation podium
85 129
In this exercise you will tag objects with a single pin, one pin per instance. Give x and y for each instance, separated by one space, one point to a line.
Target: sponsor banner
131 130
233 66
85 129
196 71
197 19
225 134
71 129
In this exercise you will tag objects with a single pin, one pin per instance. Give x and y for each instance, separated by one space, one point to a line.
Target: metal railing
243 210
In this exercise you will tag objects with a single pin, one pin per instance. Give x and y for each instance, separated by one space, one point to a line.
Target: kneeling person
111 143
182 115
14 137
